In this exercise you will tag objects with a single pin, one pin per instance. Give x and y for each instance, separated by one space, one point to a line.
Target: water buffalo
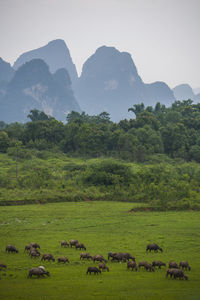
63 259
11 248
149 267
38 272
47 257
185 265
103 267
2 266
85 256
142 264
119 257
80 246
176 273
98 257
169 272
93 270
33 250
158 263
27 248
35 245
173 265
132 265
153 247
124 256
64 244
34 254
73 242
111 254
146 265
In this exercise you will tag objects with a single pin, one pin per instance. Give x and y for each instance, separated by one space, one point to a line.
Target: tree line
171 131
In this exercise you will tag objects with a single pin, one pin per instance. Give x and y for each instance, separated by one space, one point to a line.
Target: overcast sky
163 36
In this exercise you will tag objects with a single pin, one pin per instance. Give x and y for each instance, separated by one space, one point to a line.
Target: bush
108 172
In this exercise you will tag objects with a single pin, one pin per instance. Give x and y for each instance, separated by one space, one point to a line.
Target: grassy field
102 227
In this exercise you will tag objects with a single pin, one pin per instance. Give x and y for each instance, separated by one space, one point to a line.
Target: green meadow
103 227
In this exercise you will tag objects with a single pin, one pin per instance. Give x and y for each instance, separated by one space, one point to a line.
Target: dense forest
173 131
152 158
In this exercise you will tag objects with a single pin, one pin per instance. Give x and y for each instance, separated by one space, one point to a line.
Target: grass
102 227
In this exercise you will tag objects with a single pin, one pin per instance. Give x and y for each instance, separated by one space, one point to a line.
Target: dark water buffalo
34 253
2 266
146 265
122 256
33 250
38 272
176 273
158 263
173 265
85 256
127 256
47 257
80 246
27 248
63 259
103 267
142 264
35 245
119 257
64 244
153 247
111 254
12 249
185 265
149 267
169 272
73 242
93 270
99 257
132 265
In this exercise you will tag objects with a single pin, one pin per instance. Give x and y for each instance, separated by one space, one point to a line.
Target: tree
4 141
137 108
2 125
36 115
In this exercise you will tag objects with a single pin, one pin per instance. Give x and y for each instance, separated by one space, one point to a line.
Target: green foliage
74 116
173 131
107 172
4 141
36 115
53 177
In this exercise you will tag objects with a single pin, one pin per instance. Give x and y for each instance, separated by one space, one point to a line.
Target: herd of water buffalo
174 270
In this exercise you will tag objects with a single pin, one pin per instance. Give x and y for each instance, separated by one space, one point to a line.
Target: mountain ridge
111 78
34 87
56 55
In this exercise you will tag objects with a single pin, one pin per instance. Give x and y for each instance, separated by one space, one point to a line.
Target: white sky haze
163 36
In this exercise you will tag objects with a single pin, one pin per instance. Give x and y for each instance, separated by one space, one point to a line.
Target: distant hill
55 54
196 91
6 71
34 87
185 92
6 74
110 82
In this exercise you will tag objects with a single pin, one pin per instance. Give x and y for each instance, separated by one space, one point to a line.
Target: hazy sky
163 36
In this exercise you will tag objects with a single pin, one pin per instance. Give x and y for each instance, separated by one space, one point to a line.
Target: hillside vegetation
43 177
152 159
